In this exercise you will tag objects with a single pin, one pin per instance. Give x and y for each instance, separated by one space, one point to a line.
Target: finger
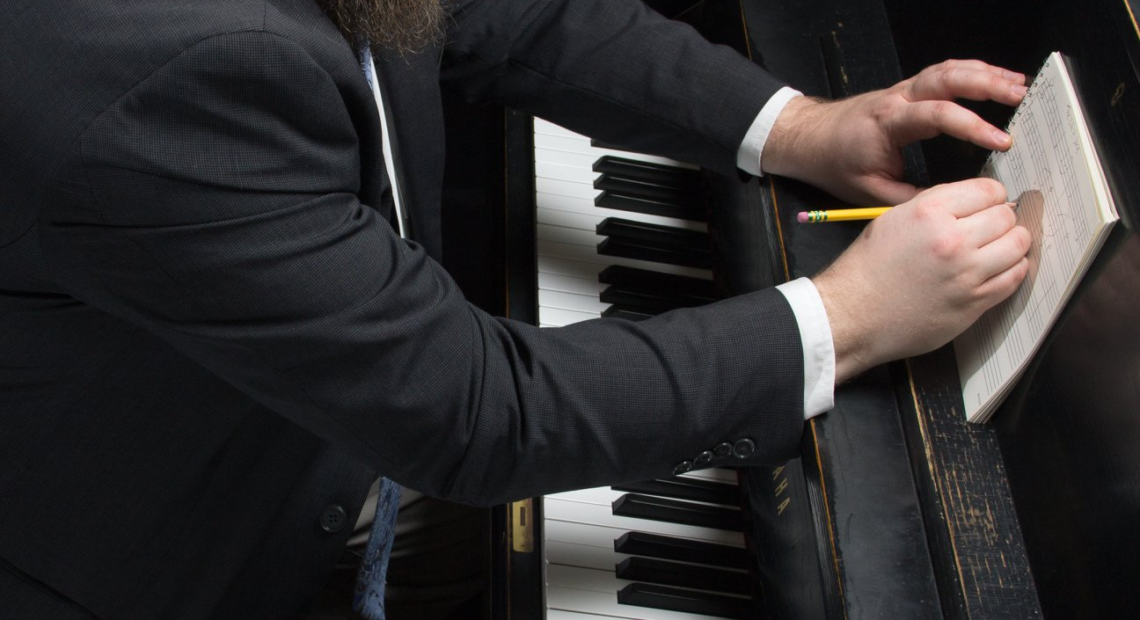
951 81
1003 253
978 65
926 119
965 198
1002 285
988 225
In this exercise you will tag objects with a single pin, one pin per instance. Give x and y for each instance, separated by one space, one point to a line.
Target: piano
896 508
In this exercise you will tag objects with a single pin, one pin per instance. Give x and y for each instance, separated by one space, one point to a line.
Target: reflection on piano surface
897 508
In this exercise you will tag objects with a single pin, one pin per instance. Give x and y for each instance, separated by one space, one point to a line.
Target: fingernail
1001 137
1018 90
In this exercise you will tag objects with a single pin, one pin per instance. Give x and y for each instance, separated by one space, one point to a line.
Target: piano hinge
522 526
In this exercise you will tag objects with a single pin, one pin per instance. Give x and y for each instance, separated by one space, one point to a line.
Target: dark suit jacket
209 332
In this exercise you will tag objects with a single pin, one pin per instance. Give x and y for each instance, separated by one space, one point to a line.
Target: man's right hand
922 273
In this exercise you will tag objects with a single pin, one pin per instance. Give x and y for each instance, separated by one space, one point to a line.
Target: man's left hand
852 148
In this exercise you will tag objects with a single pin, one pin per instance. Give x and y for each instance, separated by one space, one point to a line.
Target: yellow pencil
840 215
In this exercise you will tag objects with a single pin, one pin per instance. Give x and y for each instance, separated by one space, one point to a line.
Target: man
214 339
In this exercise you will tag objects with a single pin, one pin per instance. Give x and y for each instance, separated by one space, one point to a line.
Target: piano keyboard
623 236
650 254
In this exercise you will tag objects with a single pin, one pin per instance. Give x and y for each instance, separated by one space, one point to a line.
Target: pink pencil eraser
802 217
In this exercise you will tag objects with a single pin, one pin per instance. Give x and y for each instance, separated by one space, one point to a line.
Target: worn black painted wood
853 44
848 508
1069 436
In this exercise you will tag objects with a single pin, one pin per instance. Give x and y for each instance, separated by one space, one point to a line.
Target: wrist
851 333
788 148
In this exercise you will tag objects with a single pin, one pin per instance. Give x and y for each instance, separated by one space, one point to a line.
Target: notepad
1053 173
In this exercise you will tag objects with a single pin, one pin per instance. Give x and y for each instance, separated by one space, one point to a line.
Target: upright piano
897 508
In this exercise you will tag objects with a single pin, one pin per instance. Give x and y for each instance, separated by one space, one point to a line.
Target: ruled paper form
1054 175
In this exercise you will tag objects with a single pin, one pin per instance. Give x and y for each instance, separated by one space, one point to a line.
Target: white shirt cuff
819 350
750 151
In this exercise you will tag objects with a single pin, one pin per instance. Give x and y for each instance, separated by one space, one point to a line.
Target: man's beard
404 26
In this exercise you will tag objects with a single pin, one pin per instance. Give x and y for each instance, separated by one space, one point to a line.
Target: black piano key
657 234
644 280
680 487
658 174
694 211
642 189
648 303
674 511
654 242
640 250
662 572
617 312
681 549
675 599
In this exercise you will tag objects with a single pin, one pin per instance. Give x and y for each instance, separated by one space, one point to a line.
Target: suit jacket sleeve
611 69
215 205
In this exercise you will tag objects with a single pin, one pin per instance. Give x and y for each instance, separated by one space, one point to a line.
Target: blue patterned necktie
368 599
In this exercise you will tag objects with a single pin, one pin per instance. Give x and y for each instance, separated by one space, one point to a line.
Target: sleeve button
743 448
722 450
333 519
682 467
704 458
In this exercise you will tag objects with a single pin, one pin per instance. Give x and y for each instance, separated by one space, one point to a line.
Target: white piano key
595 592
574 236
541 125
587 254
572 189
597 495
588 217
559 317
561 614
571 268
582 556
599 535
570 284
568 219
596 580
594 514
582 161
580 533
599 579
604 557
606 496
580 144
563 172
586 206
567 144
571 301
